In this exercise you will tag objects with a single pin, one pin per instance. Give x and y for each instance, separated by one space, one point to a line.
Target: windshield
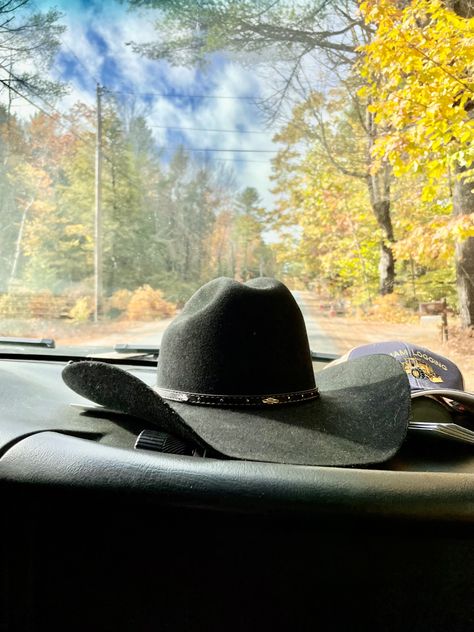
148 147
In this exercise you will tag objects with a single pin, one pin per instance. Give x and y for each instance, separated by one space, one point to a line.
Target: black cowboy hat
235 374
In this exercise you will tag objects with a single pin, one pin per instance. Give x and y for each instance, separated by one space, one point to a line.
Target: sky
94 50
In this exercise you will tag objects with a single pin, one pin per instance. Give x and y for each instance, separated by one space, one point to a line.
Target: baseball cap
429 374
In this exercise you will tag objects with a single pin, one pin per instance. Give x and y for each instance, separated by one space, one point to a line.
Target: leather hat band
237 400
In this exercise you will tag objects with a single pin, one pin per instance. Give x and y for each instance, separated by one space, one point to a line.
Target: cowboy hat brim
360 417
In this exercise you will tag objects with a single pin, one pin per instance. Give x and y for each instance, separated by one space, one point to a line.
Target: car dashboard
137 540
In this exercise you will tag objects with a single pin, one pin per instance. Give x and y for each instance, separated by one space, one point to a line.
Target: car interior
218 220
98 534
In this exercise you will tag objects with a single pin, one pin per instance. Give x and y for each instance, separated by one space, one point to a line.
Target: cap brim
360 418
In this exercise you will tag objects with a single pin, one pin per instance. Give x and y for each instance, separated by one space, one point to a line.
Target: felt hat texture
235 374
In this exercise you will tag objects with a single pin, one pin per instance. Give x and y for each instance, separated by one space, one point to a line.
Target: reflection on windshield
148 147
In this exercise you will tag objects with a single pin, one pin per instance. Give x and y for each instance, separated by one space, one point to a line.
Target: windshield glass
148 147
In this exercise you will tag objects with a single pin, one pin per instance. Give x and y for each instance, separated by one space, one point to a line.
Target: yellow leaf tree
419 69
329 235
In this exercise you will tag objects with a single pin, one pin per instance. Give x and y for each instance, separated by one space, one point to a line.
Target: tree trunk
463 203
379 190
386 261
16 256
379 193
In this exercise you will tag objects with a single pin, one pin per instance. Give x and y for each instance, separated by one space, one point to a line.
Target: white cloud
117 66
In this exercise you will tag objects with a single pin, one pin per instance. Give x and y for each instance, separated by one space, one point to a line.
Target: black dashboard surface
96 535
44 440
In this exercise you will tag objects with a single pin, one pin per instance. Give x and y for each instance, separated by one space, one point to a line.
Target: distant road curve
151 333
319 341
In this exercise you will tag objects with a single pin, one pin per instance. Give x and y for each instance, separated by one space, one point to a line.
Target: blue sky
94 49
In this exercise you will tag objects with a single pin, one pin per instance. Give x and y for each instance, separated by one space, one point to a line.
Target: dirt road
345 333
121 332
326 335
319 340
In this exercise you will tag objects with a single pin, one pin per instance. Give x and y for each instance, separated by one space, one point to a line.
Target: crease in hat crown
237 340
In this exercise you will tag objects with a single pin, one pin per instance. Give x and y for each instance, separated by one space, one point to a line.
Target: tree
12 146
419 73
39 227
59 231
222 256
183 216
288 32
291 29
328 233
28 36
251 252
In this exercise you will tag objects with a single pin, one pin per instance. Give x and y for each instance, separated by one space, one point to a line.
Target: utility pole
98 209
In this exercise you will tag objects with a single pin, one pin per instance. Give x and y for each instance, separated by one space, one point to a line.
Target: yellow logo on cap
421 370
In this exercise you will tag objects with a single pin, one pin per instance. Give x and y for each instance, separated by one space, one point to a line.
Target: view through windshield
148 147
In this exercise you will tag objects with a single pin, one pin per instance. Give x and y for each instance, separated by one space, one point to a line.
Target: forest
166 224
372 183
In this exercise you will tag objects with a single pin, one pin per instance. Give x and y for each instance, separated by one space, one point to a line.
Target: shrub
174 288
42 305
389 309
82 310
119 301
12 306
37 305
149 304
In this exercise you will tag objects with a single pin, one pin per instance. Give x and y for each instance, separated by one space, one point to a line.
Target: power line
77 136
261 162
39 96
63 125
105 155
170 95
202 129
7 85
110 160
216 149
88 72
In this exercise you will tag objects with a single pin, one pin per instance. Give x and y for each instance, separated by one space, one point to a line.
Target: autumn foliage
365 186
419 70
148 304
